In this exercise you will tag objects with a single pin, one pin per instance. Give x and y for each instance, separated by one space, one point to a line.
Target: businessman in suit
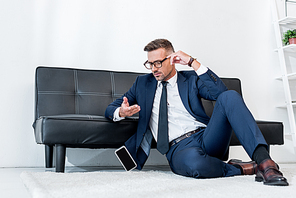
170 111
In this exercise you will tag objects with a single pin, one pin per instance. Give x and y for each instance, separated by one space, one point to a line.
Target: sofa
70 106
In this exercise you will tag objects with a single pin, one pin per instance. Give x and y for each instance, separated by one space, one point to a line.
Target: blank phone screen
125 159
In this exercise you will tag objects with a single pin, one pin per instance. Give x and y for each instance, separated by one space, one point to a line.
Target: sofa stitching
76 92
112 85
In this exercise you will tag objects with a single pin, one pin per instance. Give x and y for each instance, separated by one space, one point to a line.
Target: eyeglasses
157 64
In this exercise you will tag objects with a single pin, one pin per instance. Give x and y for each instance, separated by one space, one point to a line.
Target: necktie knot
164 83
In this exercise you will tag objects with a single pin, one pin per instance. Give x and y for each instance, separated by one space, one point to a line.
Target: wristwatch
190 61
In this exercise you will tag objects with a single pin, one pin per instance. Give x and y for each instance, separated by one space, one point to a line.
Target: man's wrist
201 70
190 61
116 115
195 64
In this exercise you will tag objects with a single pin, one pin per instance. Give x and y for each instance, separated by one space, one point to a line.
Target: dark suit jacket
191 89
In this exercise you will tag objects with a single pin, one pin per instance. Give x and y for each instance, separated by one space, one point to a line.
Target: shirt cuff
201 70
116 116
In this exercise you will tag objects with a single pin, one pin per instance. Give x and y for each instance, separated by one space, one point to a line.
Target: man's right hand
126 110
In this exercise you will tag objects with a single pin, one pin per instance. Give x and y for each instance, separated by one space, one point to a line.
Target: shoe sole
275 183
258 179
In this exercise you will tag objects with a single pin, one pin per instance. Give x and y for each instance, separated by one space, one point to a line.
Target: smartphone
125 158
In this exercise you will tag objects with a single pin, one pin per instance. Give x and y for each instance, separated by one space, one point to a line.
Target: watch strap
190 61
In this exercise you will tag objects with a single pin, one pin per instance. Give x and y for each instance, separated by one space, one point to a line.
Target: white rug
140 184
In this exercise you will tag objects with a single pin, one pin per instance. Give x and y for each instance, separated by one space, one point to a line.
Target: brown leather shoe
269 173
248 168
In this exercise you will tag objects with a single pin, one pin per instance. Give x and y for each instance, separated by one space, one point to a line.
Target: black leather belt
186 135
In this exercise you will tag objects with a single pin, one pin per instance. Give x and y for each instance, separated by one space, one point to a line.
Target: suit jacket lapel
150 93
183 91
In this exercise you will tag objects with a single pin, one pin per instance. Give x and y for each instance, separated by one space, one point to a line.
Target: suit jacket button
213 77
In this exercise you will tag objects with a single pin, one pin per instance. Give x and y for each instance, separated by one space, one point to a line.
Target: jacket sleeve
131 96
210 86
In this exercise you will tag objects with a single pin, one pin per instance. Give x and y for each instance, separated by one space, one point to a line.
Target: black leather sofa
70 106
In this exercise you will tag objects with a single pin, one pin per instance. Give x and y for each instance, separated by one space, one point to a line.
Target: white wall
233 38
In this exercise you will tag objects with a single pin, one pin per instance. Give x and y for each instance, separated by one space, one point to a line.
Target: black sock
239 167
260 154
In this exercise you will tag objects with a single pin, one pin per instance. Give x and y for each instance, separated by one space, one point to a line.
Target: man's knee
190 162
229 97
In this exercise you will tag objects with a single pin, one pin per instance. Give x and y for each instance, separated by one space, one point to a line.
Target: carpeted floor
140 184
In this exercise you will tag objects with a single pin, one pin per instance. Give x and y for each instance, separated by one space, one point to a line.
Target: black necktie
162 137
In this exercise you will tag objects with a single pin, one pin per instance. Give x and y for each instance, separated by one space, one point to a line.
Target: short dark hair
159 43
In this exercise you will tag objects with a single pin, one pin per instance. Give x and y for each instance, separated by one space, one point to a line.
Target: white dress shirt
179 119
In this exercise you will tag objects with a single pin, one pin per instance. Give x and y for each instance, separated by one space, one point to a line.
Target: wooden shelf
291 76
291 47
285 105
287 21
288 48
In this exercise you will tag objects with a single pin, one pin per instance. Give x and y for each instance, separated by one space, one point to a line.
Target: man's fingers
179 57
172 57
129 111
134 109
125 102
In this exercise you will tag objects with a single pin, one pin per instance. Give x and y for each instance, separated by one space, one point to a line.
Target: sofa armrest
272 131
83 130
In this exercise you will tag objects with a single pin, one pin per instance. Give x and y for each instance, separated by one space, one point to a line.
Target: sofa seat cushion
89 131
83 130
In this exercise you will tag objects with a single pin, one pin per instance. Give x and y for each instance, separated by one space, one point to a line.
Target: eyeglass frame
154 63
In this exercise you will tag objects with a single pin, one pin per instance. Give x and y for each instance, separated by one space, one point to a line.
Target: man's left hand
183 59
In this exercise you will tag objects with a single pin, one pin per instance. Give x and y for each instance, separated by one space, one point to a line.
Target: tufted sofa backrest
78 91
61 91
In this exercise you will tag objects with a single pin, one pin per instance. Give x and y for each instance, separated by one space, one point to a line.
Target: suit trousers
200 155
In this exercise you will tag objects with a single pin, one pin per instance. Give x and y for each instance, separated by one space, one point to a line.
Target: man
171 112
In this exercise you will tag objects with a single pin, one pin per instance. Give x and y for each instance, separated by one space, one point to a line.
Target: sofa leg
48 156
60 157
